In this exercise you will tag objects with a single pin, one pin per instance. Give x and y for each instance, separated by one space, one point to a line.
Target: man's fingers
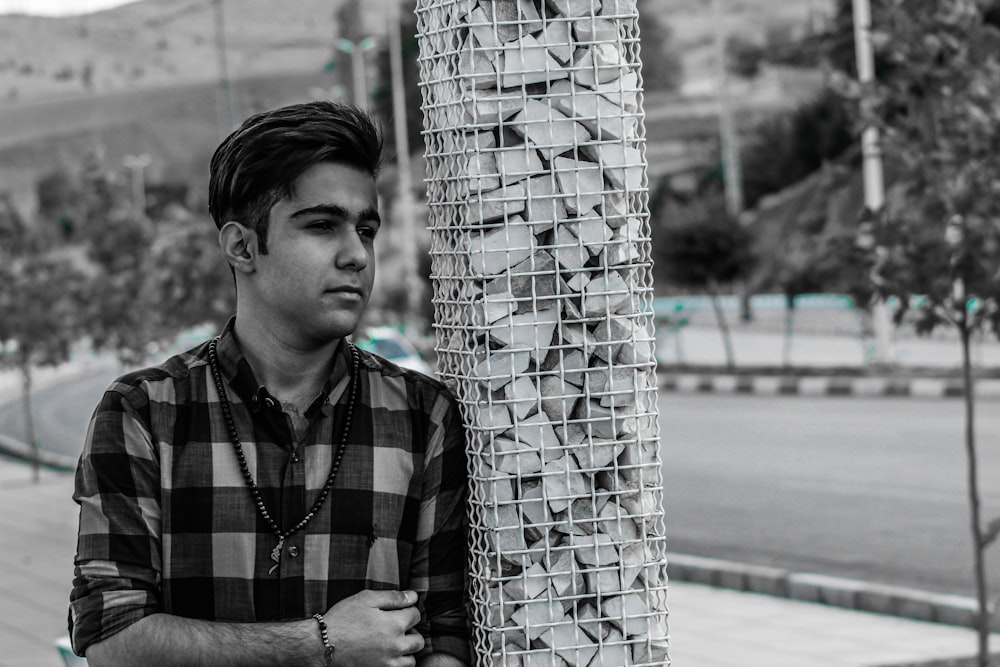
413 643
390 600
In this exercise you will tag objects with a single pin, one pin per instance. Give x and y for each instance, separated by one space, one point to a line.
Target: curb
824 589
23 452
792 385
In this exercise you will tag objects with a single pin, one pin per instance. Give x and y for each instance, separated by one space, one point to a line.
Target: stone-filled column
543 307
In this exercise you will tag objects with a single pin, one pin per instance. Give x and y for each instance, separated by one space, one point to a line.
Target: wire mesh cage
543 308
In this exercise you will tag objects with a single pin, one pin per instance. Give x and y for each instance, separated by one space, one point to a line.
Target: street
866 488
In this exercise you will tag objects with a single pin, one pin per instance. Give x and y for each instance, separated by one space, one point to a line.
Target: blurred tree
699 245
744 56
40 318
937 109
382 91
662 67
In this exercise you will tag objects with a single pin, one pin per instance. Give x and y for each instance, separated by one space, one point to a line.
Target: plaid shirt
167 523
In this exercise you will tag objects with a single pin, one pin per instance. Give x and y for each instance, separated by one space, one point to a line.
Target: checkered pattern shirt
167 523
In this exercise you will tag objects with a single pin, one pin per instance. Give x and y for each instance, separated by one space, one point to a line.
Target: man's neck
293 372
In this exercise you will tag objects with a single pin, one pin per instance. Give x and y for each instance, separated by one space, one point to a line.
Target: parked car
393 345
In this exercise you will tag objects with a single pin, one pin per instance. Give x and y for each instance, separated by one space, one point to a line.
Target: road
866 488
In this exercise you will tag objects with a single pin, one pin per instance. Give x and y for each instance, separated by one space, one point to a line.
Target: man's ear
239 246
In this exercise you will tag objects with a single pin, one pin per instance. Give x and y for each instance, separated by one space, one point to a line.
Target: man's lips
346 289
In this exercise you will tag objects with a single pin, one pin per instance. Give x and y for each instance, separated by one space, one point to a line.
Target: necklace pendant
276 554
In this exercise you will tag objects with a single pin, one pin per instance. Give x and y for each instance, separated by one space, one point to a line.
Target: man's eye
367 232
322 225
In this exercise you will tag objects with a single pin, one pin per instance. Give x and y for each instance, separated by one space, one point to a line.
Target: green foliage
787 148
940 123
699 245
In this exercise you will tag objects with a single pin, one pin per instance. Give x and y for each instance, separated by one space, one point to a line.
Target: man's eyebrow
336 211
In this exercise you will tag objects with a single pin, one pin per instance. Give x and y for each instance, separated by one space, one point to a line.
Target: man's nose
352 252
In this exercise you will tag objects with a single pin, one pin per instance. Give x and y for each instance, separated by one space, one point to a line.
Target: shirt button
293 552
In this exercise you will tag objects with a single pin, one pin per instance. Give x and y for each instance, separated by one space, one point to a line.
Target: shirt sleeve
439 566
118 561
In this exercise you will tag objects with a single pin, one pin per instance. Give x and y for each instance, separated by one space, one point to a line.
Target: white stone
481 27
489 108
493 417
550 130
604 295
483 173
599 64
578 282
531 330
633 560
536 511
501 368
603 119
614 651
545 205
623 166
596 30
616 523
518 163
499 249
629 612
516 458
527 61
570 642
622 9
614 209
581 182
504 202
600 421
575 8
523 396
529 584
563 481
572 435
596 550
609 336
477 68
623 92
565 578
537 615
504 524
558 39
599 453
592 233
587 619
570 364
558 397
537 432
577 335
497 306
617 254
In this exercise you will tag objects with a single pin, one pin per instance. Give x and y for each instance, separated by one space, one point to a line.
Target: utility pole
359 77
404 202
225 93
874 183
731 170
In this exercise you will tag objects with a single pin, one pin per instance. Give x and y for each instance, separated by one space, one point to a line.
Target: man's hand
375 629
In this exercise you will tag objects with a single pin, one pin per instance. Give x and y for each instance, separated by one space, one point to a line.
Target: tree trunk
786 352
983 616
29 417
720 318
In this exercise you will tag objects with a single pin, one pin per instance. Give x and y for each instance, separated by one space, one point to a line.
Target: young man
277 496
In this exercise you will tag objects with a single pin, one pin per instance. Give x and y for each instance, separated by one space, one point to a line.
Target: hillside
140 77
157 43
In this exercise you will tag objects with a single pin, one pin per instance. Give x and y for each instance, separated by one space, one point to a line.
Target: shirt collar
238 374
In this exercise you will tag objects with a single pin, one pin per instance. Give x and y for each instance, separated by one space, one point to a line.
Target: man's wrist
324 636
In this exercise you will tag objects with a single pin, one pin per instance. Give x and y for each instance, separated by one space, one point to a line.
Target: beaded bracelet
328 648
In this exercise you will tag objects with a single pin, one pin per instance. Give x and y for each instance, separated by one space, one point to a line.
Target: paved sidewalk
709 627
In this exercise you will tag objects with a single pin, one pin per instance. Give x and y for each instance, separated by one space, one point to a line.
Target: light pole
731 168
359 80
404 202
225 93
136 164
874 182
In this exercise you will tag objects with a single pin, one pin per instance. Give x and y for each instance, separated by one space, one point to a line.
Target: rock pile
540 243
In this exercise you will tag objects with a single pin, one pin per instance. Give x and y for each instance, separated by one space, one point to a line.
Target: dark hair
257 165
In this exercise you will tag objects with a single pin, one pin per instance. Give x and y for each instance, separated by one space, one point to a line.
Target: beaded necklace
251 485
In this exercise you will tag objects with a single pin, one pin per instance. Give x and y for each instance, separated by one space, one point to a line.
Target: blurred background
824 204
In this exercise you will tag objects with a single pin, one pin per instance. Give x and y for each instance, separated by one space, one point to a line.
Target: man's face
316 279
